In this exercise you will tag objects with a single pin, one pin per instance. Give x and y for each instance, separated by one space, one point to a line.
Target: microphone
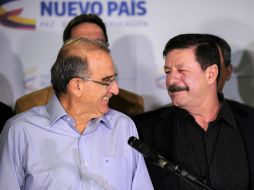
150 154
160 161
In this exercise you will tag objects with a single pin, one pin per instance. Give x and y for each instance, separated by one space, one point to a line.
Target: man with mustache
201 133
175 88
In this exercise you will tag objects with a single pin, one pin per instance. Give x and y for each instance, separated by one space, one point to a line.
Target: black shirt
216 157
158 129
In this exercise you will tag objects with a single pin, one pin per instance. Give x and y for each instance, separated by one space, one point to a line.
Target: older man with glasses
92 27
75 141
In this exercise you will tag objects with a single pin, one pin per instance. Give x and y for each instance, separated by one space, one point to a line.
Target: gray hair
72 62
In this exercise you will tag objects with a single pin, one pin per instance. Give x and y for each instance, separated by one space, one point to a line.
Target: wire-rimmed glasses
107 83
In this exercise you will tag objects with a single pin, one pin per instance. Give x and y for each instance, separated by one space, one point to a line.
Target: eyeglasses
107 84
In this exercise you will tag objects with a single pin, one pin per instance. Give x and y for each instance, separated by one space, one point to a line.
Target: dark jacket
155 129
5 113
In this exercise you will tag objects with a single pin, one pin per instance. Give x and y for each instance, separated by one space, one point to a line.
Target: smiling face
95 97
187 83
101 68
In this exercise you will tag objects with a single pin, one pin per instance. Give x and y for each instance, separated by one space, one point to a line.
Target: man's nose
114 89
172 78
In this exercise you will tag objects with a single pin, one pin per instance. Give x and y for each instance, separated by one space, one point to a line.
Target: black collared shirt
216 157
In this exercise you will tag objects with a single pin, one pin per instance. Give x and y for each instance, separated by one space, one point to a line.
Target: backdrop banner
31 36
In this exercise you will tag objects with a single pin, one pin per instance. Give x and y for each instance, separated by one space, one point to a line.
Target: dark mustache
175 88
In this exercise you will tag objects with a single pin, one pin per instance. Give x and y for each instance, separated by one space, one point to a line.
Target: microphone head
133 141
149 153
143 149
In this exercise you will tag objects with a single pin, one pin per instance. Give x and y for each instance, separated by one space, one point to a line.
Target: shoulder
114 116
154 115
120 122
37 93
5 110
129 94
6 113
33 99
240 108
19 129
4 106
154 123
33 117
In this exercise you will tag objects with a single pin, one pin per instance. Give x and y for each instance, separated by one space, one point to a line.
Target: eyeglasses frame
107 84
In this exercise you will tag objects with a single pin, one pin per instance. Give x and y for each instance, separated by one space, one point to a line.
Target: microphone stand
158 160
183 174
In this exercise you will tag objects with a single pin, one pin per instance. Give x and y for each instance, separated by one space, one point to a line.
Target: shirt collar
224 113
56 111
96 121
105 119
182 114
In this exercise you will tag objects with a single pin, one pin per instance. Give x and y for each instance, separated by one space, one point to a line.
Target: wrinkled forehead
100 63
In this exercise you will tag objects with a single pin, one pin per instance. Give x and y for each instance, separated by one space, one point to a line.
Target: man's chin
104 109
176 102
176 95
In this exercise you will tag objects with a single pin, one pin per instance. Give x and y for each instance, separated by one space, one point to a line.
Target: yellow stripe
22 20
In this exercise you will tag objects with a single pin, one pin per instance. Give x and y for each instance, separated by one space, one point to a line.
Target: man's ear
74 86
212 73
